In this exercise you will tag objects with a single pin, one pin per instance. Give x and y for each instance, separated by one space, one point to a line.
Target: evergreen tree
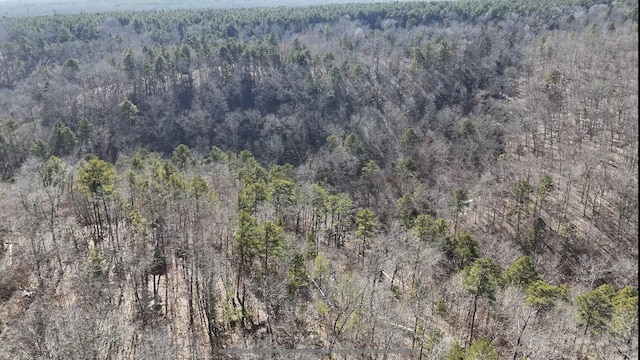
482 279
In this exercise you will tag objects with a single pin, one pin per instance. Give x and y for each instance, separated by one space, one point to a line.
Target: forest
396 180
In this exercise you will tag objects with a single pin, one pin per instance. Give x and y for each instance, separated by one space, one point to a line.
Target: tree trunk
473 318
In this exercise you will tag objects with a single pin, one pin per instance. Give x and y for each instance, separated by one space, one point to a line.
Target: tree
370 169
272 241
352 144
181 155
456 352
297 275
52 172
482 279
466 128
217 155
247 241
96 181
428 229
332 142
543 296
406 211
252 195
459 201
282 193
129 63
85 131
129 110
318 197
481 349
624 321
370 181
340 208
543 190
71 67
64 139
96 178
321 269
95 264
464 251
367 225
595 308
409 140
40 148
521 273
519 199
407 168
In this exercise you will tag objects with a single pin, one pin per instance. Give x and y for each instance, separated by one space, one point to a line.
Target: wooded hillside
425 180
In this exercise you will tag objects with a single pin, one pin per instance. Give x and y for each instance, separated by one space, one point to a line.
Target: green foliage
85 130
300 53
407 167
272 243
483 278
481 349
311 246
434 337
249 170
406 211
282 192
624 321
456 352
421 199
200 190
367 224
321 269
521 273
545 186
217 155
419 61
520 193
441 307
544 296
552 78
251 196
71 65
595 308
52 172
282 172
96 178
245 97
534 235
332 142
129 63
318 199
429 229
409 139
352 144
40 148
129 110
95 264
181 155
64 139
459 200
340 207
248 240
464 251
467 129
297 278
370 169
566 230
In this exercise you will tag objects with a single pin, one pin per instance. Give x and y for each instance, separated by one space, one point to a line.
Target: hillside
441 180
